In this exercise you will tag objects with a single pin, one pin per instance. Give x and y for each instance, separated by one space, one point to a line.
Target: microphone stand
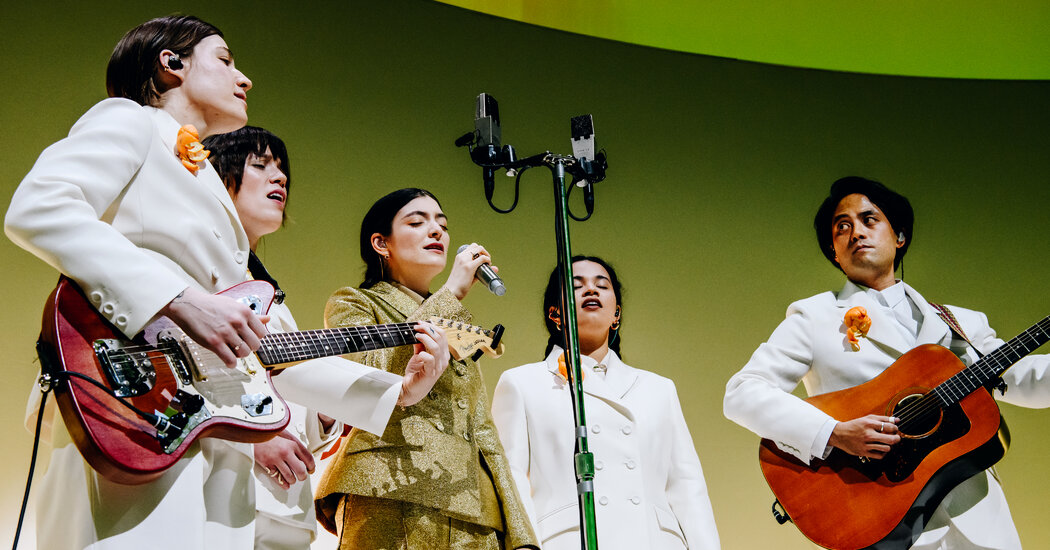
584 459
594 171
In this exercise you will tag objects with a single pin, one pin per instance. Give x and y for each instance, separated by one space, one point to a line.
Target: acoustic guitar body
847 503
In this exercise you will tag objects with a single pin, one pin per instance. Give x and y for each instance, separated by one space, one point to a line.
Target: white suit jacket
810 346
649 487
112 207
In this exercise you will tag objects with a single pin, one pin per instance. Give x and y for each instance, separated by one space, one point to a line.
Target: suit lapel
883 329
933 330
396 299
168 129
619 379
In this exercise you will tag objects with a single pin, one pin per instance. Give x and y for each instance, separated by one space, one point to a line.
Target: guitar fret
287 347
993 364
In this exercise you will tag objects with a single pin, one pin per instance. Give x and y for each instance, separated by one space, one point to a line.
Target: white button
439 425
239 256
598 465
603 501
627 430
596 428
636 500
107 308
96 297
218 235
215 274
121 320
630 464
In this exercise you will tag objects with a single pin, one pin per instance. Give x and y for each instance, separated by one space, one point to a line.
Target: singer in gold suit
438 476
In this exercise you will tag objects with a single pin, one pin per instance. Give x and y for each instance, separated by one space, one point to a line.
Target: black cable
156 420
517 185
588 205
32 464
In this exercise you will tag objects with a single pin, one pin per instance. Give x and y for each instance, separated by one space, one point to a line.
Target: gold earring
555 316
616 324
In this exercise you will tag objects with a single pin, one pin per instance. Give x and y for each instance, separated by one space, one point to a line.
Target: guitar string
273 339
958 386
289 346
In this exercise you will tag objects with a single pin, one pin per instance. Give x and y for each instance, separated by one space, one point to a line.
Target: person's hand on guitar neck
224 326
426 366
868 436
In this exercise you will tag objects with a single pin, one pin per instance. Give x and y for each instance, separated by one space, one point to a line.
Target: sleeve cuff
821 448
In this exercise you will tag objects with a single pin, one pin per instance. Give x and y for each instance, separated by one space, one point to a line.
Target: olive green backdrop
716 168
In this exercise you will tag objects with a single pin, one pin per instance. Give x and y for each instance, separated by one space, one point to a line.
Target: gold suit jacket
442 452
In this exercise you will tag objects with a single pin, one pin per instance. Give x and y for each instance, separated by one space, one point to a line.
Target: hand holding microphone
473 262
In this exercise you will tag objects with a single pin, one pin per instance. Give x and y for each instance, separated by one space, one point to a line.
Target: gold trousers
368 523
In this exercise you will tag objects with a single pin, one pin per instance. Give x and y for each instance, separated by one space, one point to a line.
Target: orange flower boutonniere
563 371
857 324
188 147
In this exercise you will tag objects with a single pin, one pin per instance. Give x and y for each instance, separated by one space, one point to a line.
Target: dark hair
552 298
229 152
134 66
895 206
380 219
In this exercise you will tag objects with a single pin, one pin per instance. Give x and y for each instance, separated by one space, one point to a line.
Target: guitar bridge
128 368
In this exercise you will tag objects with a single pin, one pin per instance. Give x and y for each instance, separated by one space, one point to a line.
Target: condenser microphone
486 121
486 275
487 128
582 137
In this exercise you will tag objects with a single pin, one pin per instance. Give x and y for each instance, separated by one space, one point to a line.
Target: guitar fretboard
994 364
287 347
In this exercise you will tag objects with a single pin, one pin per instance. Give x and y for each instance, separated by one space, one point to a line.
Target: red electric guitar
133 407
951 430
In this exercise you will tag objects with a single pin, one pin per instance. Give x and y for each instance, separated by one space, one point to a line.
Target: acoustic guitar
951 429
134 406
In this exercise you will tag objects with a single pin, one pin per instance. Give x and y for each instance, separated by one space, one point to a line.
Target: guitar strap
258 271
948 317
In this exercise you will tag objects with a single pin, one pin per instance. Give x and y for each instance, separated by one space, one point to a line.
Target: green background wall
716 169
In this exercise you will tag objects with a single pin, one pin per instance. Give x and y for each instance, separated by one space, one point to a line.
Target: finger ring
275 473
236 348
881 426
476 255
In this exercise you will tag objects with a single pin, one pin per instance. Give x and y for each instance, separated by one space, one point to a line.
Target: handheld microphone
486 275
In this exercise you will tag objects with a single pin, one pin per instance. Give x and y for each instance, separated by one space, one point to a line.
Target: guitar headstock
465 340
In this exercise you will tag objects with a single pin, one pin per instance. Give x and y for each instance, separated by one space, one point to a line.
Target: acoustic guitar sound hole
919 417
